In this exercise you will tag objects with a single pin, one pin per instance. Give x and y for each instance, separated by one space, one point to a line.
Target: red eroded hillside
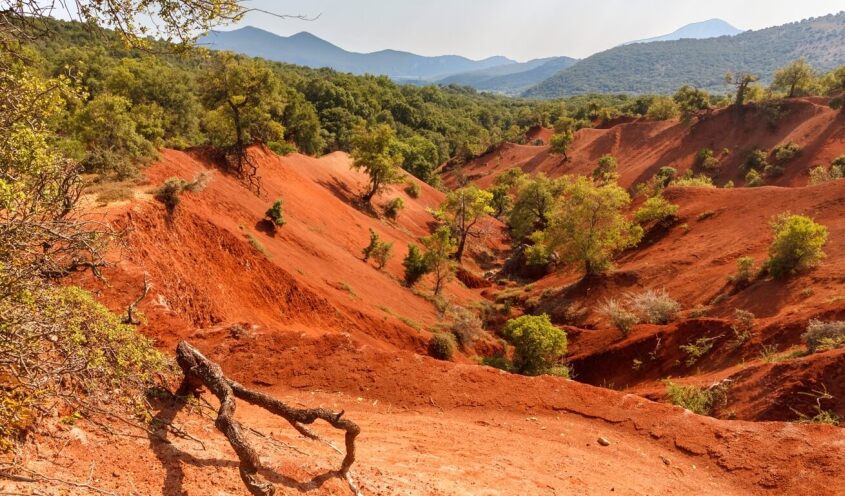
309 322
641 147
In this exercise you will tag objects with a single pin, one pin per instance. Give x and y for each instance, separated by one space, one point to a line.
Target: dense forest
661 67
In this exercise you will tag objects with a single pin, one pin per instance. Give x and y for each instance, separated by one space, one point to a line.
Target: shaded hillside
663 67
308 50
511 79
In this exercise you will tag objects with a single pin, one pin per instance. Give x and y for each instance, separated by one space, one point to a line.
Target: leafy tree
588 227
665 175
606 170
439 250
302 124
532 206
691 101
742 81
797 244
538 343
421 158
662 109
111 138
462 211
500 201
560 142
244 98
795 78
379 154
415 266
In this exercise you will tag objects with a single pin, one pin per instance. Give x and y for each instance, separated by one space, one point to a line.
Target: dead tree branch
130 310
200 371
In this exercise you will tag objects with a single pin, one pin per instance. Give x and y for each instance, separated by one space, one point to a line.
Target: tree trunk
200 371
461 246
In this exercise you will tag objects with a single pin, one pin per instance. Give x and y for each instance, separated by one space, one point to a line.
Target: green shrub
699 181
757 160
839 164
619 316
381 254
275 215
753 179
823 336
820 174
786 152
538 343
665 175
442 346
415 265
281 147
655 209
707 160
391 210
797 244
412 189
698 349
697 399
606 170
662 109
169 193
378 250
744 271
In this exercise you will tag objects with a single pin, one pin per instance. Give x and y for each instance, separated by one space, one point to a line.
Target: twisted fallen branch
199 371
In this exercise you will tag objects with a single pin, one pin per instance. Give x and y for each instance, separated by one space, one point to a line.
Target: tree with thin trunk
378 153
741 81
463 209
439 250
794 78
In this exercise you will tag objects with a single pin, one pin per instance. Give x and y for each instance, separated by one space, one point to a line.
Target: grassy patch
700 400
253 241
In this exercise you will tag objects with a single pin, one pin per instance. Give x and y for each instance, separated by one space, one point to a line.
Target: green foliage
244 101
416 266
823 336
696 399
757 160
744 271
795 79
560 142
465 326
606 171
797 244
170 192
689 181
538 343
707 160
697 349
742 327
786 152
275 214
439 250
421 158
378 153
753 179
662 109
462 210
378 250
442 346
655 209
391 210
109 133
501 201
412 189
533 205
587 225
691 102
281 148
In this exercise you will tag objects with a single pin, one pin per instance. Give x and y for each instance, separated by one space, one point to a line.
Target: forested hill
661 67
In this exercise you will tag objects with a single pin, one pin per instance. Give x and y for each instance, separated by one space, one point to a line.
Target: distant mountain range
511 79
696 31
308 50
662 67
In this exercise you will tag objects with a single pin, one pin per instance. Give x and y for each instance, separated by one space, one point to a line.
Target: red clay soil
314 325
641 147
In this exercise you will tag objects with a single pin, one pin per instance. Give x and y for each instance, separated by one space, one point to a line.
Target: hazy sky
520 29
